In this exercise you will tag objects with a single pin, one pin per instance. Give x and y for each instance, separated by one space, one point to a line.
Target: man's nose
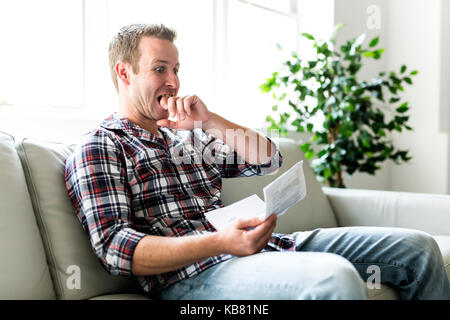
172 80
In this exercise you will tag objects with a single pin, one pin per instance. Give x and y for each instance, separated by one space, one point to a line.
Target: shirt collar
117 122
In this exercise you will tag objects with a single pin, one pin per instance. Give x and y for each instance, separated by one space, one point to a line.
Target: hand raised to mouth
185 110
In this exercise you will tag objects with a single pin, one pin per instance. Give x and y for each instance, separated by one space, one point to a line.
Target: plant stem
337 180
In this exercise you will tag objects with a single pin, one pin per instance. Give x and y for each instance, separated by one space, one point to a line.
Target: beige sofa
46 254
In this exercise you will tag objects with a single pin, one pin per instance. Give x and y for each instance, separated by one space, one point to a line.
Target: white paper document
279 195
285 191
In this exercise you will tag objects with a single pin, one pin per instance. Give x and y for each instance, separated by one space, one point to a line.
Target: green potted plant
355 116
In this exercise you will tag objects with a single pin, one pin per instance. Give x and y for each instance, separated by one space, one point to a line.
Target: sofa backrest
312 212
24 273
76 272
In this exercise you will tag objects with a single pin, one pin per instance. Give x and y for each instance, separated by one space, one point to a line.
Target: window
41 57
253 31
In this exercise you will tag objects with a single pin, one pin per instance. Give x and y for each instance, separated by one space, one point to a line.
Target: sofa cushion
76 272
385 292
24 273
312 212
122 296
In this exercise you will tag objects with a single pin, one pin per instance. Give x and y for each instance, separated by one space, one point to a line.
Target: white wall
415 39
412 33
445 67
445 79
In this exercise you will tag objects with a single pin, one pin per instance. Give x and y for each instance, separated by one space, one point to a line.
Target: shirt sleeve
97 185
231 164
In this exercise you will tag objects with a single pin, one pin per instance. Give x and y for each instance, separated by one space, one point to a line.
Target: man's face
157 76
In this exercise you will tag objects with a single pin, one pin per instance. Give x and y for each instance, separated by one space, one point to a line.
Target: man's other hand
186 110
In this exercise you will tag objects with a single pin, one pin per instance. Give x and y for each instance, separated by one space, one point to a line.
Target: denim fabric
332 263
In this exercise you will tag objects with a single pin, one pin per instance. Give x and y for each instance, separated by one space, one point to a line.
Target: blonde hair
124 45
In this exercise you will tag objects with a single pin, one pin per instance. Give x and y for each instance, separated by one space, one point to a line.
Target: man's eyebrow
164 61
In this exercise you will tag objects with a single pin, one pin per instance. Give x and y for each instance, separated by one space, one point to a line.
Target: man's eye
160 69
175 71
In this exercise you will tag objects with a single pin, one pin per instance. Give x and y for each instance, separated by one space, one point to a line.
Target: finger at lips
163 102
172 107
180 108
187 105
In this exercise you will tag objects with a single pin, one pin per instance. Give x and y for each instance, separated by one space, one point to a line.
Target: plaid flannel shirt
126 183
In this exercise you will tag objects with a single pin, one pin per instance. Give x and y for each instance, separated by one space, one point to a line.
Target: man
144 209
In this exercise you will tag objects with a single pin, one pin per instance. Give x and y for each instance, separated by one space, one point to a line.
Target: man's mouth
164 96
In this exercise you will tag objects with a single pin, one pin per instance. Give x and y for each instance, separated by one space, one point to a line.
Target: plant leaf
309 154
307 35
378 53
335 31
327 173
403 69
408 80
359 41
394 100
403 108
374 42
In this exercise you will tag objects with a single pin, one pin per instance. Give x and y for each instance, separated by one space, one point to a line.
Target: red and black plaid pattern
126 183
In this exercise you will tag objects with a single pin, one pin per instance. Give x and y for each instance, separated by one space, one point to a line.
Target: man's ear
123 70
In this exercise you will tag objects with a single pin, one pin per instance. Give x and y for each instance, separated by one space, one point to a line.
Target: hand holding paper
279 195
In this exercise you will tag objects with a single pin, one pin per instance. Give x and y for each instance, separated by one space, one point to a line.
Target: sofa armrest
426 212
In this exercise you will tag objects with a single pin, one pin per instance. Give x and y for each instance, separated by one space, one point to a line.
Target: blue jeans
332 263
